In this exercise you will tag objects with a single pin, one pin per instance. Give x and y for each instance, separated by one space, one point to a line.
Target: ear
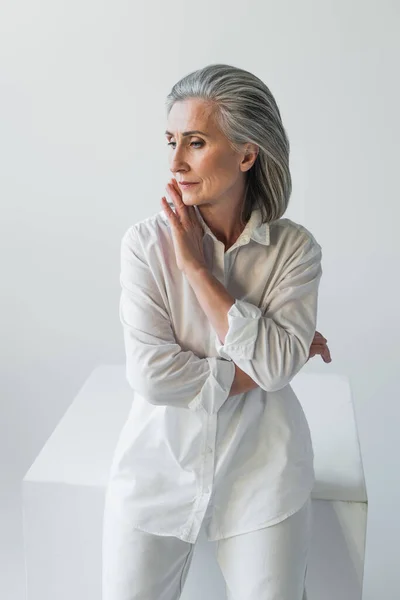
251 153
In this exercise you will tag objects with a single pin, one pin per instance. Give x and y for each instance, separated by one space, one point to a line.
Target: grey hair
246 111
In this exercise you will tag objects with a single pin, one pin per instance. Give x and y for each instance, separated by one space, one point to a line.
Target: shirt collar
254 229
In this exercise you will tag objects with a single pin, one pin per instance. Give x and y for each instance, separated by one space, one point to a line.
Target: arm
216 302
156 366
242 382
272 348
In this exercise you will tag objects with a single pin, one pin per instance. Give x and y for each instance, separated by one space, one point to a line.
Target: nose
178 162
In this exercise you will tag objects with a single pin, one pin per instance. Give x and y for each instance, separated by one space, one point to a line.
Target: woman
218 307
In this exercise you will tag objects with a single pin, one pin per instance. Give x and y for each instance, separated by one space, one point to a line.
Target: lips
188 184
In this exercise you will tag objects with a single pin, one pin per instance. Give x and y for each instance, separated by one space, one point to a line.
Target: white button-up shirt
188 451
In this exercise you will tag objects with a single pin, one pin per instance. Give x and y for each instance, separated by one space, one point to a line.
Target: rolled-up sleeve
272 347
156 366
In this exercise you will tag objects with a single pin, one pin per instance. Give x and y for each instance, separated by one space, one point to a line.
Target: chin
189 199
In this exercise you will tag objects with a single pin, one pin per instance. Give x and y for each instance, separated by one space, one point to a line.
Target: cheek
215 168
222 169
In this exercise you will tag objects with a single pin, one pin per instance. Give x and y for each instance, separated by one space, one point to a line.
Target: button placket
210 427
209 449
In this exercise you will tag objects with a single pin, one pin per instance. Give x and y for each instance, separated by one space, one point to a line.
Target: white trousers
267 564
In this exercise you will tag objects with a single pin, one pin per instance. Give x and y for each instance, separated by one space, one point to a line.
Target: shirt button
209 450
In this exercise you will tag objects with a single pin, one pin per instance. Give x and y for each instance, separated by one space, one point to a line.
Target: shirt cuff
243 319
216 388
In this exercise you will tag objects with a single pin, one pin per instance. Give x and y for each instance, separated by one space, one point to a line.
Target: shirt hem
183 536
268 523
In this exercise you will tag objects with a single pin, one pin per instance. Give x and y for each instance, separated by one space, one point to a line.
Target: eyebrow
188 132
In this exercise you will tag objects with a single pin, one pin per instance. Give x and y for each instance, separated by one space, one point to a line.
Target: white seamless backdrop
83 156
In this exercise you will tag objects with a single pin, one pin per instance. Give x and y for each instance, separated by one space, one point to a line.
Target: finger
179 204
319 336
174 190
176 186
172 193
321 349
169 212
189 209
318 347
326 355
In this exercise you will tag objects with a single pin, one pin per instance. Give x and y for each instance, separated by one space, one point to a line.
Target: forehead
191 114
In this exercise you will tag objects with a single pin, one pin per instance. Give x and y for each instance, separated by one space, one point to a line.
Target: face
205 158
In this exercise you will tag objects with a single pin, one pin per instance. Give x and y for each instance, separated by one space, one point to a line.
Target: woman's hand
318 346
187 233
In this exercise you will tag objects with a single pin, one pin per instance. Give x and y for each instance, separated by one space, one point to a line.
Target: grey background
83 156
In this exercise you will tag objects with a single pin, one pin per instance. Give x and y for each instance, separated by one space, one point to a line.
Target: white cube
63 495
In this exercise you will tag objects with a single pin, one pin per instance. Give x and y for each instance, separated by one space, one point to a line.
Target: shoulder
291 237
146 231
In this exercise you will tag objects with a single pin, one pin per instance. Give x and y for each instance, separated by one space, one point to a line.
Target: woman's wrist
242 382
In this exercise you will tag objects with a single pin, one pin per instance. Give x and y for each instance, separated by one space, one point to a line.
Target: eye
171 143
